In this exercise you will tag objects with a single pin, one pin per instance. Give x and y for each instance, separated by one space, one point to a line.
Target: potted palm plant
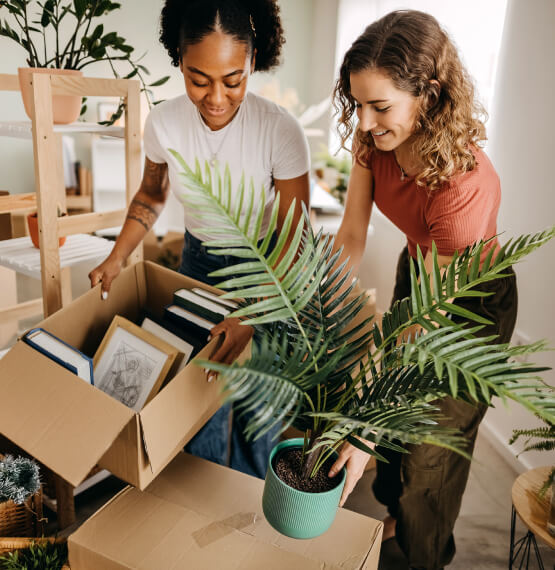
64 37
306 369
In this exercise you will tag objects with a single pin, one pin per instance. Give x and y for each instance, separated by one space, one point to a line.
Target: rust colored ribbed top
456 215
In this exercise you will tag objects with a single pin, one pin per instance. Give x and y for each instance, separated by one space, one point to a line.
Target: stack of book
195 312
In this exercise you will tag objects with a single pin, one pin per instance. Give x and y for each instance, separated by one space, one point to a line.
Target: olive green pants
423 489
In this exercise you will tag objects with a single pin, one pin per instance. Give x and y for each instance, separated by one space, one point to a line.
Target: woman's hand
236 338
355 460
105 273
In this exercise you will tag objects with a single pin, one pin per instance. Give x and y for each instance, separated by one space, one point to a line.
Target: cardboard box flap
54 415
178 412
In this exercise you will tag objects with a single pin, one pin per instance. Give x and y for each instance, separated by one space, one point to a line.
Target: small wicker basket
11 544
19 523
21 520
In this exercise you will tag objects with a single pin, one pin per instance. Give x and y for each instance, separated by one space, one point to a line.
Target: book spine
188 331
198 310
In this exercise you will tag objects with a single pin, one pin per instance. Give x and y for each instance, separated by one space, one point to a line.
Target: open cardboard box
71 426
199 515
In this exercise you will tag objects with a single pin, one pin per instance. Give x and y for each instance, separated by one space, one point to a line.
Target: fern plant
306 368
38 556
539 439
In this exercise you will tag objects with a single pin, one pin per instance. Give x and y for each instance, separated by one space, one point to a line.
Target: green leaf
160 81
80 6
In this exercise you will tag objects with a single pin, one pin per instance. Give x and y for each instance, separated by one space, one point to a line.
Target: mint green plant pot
296 513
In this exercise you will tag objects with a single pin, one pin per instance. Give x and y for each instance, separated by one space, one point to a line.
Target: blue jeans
222 439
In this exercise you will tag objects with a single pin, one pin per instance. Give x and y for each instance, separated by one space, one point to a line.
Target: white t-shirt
263 140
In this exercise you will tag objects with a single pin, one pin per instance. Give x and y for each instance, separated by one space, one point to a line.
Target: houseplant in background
43 555
306 368
33 225
66 36
541 439
334 171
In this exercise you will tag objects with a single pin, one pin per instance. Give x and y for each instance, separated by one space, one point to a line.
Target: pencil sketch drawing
128 375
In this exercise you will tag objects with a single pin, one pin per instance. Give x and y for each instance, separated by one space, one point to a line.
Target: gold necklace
213 160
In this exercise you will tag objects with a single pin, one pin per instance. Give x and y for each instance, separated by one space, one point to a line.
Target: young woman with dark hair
417 157
217 45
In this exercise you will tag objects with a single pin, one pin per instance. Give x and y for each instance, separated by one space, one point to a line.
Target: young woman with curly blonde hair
417 157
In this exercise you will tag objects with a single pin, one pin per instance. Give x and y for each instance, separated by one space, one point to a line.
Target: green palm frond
329 309
546 435
285 287
302 369
277 383
463 363
463 274
402 423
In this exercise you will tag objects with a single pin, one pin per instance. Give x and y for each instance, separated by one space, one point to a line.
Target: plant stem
57 38
71 45
325 456
311 457
78 55
33 59
92 60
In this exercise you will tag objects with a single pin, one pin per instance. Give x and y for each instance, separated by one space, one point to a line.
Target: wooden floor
482 531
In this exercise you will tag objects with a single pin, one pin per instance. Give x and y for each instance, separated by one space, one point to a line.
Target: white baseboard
499 442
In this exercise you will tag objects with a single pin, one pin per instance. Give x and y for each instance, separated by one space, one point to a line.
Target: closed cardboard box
198 515
71 426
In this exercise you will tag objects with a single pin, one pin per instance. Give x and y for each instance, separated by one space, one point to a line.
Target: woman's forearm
142 213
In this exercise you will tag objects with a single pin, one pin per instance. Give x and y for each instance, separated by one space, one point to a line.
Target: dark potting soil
287 465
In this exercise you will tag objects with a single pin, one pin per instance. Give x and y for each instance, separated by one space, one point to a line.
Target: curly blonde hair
418 56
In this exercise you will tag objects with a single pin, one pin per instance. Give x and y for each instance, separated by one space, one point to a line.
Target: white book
61 352
187 315
164 334
216 298
190 297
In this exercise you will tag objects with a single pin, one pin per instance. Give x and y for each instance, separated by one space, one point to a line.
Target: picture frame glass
128 368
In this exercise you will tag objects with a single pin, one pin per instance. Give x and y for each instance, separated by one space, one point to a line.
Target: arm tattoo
155 185
143 213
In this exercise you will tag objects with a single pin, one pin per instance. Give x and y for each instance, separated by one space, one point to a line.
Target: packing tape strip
218 529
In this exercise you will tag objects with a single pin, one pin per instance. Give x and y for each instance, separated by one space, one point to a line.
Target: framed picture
131 363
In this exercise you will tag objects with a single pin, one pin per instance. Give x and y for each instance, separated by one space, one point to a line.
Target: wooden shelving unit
51 264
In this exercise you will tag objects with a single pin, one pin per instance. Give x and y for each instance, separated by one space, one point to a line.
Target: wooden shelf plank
79 202
16 202
93 221
24 129
22 310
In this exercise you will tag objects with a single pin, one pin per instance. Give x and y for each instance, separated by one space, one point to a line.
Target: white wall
521 147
